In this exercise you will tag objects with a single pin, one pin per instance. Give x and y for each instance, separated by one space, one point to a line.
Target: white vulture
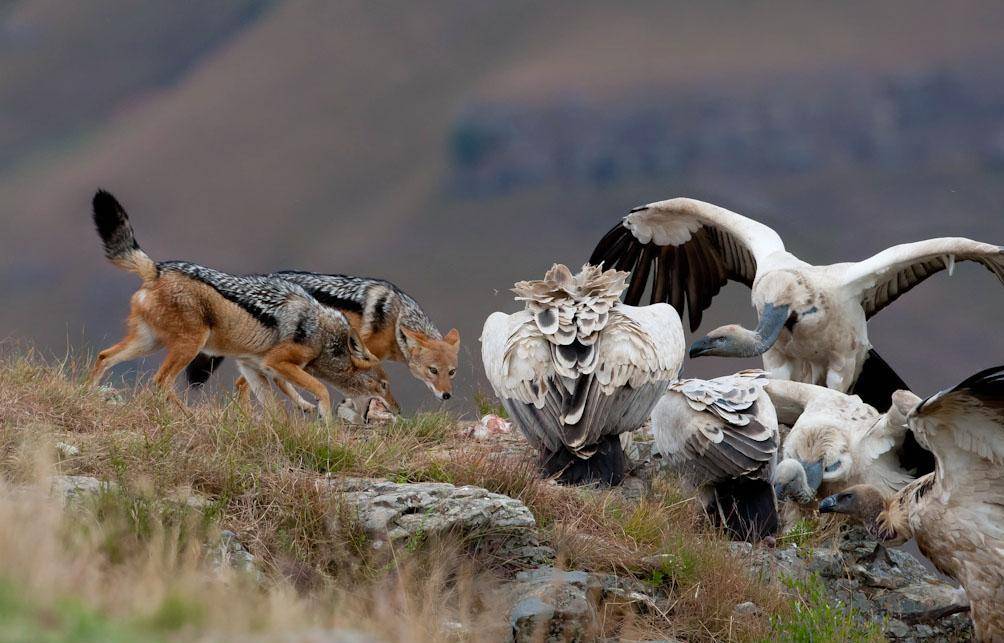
721 436
576 368
812 319
836 441
956 513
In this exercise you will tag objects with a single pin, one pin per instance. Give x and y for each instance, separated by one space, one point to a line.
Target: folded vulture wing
718 430
569 377
688 250
881 279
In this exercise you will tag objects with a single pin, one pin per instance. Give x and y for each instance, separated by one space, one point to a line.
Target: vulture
956 513
721 436
812 320
836 441
576 367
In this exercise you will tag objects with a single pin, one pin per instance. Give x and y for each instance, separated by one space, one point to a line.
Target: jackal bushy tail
117 236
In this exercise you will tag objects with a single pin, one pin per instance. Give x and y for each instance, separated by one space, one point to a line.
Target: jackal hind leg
251 381
179 353
139 341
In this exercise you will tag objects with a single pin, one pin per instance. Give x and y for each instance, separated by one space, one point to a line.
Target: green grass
800 534
65 621
486 404
815 619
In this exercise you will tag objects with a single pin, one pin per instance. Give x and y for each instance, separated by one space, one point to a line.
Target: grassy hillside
137 558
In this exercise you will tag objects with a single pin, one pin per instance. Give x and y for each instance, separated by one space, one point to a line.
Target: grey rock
67 450
555 605
390 512
111 395
748 608
882 585
230 554
73 488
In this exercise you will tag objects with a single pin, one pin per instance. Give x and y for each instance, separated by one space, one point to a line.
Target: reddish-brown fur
172 310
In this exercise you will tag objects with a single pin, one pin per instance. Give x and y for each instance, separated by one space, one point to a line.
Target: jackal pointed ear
414 337
453 337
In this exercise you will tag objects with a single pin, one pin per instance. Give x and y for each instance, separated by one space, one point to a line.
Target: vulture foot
606 466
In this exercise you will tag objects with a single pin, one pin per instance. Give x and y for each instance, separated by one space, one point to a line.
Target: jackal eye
434 370
453 372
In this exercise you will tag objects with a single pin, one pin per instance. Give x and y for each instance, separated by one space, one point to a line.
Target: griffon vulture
956 513
721 436
812 319
837 441
577 367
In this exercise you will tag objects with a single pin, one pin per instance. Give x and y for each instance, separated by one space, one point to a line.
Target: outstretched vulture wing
880 280
718 430
637 354
689 248
964 428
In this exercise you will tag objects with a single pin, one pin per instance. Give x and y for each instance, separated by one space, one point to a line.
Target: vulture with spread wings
721 436
577 367
955 513
812 319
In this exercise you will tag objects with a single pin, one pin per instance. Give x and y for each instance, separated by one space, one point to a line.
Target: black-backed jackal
392 325
274 328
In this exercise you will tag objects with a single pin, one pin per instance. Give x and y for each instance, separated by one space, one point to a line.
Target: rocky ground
889 587
272 527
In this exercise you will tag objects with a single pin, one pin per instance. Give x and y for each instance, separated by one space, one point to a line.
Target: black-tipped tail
200 369
745 509
606 466
113 226
117 236
877 382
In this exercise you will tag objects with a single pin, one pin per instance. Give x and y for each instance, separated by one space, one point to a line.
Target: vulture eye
833 467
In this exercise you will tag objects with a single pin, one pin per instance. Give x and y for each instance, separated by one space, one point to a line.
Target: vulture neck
753 343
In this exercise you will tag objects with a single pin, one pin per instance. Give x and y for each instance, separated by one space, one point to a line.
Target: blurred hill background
455 147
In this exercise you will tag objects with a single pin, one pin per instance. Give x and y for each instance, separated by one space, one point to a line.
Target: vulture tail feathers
745 509
200 369
605 466
877 383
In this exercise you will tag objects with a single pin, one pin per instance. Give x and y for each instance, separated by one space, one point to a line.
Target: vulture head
733 340
866 504
814 454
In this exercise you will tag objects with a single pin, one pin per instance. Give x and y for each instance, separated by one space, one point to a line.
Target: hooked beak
700 347
828 505
772 321
813 475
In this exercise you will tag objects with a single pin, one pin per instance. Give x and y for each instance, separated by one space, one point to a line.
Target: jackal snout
434 361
